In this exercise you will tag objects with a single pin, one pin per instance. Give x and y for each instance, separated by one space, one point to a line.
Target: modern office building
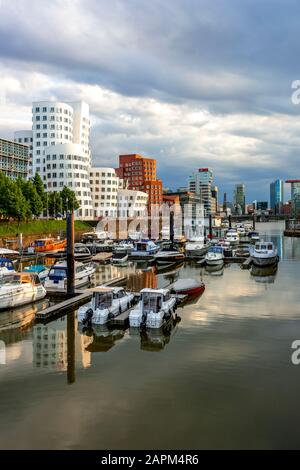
260 205
14 158
295 197
214 199
277 196
104 184
132 203
25 137
60 149
240 198
139 173
200 183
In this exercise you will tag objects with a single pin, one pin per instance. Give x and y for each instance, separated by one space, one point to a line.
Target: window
44 110
37 110
44 118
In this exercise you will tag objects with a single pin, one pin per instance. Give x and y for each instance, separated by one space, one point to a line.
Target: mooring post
70 254
172 227
253 218
229 219
210 226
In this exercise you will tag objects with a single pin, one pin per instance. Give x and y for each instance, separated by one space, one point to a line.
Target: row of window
51 109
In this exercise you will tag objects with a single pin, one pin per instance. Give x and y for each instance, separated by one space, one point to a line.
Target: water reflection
265 275
101 338
156 340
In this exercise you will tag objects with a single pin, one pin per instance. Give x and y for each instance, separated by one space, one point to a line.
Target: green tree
4 195
18 206
32 197
69 201
39 186
54 203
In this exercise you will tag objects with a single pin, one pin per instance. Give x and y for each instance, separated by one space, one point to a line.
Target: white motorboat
196 247
232 237
93 236
119 257
57 279
240 230
124 246
155 308
40 269
106 304
19 289
225 224
254 236
215 256
264 254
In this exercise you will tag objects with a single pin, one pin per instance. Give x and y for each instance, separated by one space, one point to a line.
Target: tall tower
200 183
240 197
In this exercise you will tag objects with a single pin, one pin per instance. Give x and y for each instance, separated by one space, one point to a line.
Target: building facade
240 198
200 183
60 149
139 173
25 137
295 197
131 203
277 196
104 184
14 158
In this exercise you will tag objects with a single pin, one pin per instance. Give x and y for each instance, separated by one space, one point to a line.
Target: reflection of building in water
101 339
106 273
140 279
50 346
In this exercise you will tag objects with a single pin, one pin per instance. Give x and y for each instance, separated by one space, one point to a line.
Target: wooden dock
60 309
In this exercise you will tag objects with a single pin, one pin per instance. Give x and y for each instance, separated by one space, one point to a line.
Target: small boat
144 248
225 224
6 266
7 253
240 230
243 252
43 245
168 255
101 246
215 256
19 289
92 236
196 247
81 253
124 245
254 236
264 254
156 307
40 269
188 287
232 237
57 279
106 304
119 257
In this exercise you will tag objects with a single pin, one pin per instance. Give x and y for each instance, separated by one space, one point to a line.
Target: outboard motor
144 321
88 318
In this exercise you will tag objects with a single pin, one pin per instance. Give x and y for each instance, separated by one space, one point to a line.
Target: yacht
264 254
19 289
57 279
124 246
93 236
44 245
119 257
215 256
156 307
106 304
144 248
254 236
232 237
196 247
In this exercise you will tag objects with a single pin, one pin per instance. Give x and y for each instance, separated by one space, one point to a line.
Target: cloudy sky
189 82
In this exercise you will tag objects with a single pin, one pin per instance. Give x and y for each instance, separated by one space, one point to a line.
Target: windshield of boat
215 249
103 300
151 303
58 273
15 279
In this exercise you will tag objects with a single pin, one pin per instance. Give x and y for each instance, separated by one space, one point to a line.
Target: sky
191 83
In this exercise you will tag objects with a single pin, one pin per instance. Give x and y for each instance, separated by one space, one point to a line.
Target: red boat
43 245
188 287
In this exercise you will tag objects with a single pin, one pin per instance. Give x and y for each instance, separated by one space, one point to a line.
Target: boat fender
88 317
110 316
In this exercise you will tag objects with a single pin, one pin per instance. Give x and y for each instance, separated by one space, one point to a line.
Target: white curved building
60 149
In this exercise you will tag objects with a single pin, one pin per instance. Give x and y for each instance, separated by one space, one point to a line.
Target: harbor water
220 377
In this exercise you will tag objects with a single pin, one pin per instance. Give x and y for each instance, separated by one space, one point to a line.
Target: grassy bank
38 226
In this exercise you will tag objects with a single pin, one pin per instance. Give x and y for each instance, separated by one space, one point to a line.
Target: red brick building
140 175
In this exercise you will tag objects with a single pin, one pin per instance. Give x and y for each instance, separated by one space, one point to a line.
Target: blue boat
144 249
6 265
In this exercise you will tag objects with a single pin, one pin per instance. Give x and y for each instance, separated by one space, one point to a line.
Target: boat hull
264 261
54 246
21 296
